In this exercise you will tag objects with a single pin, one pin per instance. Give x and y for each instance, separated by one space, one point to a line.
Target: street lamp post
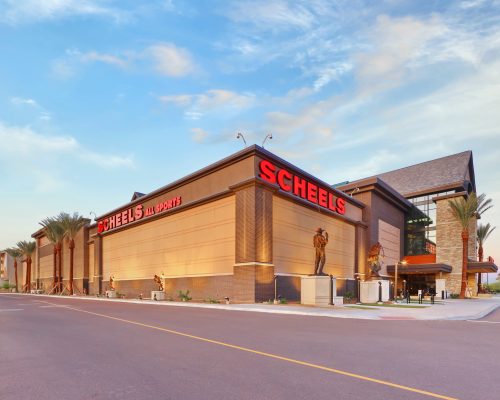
404 262
358 279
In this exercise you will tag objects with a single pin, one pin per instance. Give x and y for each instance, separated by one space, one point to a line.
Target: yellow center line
269 355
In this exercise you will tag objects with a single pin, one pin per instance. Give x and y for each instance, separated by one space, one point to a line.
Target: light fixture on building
240 136
268 136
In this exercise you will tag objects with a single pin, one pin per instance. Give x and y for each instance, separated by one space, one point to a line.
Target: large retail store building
229 229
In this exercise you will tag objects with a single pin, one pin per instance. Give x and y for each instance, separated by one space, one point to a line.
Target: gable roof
137 195
447 173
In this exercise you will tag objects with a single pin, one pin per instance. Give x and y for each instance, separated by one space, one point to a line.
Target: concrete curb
270 309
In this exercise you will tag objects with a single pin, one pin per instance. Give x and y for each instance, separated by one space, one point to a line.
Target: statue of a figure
111 282
319 242
374 258
159 282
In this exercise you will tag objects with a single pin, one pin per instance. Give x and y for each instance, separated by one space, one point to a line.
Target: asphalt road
53 348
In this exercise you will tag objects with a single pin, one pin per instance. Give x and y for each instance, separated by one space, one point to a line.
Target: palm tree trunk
480 257
465 256
59 259
55 265
28 274
15 274
71 249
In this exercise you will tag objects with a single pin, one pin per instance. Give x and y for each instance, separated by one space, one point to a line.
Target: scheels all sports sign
300 187
136 213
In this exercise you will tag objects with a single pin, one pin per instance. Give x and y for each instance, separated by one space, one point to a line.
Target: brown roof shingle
446 173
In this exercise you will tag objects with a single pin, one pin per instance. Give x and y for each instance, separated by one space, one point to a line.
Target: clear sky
101 98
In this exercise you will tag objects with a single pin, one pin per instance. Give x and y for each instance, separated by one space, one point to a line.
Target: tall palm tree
27 249
483 232
71 225
464 210
15 253
55 234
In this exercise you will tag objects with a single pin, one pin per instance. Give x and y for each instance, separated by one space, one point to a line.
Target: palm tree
27 249
15 253
464 210
71 225
55 234
483 232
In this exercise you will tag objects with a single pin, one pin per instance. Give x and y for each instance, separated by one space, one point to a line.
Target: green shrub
184 296
493 287
6 285
283 301
454 295
349 295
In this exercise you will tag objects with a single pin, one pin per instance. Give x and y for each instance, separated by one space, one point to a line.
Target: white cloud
212 100
19 101
199 135
396 42
94 56
23 142
164 58
271 15
25 11
170 60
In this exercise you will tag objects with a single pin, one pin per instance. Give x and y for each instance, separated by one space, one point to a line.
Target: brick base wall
289 287
253 283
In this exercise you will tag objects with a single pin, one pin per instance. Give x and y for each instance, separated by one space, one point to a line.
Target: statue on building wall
159 282
111 282
375 257
320 241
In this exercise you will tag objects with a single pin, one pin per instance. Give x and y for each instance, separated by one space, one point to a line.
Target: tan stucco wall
389 238
46 267
92 271
203 186
293 230
196 242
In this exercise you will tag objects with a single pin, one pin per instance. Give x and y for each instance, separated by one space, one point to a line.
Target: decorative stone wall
449 246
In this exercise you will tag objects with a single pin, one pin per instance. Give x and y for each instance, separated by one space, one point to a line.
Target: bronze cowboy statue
111 282
374 258
159 282
320 242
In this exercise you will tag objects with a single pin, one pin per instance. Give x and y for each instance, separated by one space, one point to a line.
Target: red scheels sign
136 213
303 188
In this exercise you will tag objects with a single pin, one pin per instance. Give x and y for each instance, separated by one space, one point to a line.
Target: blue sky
101 98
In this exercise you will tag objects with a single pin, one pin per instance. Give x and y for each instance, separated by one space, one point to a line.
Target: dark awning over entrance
413 269
481 267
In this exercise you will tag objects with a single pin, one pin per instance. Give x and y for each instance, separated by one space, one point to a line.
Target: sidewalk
445 310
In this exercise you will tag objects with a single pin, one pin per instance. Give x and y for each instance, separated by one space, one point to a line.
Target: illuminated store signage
300 187
136 213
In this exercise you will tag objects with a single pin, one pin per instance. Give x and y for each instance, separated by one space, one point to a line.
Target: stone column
98 264
449 244
253 270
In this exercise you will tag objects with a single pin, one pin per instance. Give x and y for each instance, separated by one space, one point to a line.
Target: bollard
432 299
419 298
330 303
442 294
380 292
408 299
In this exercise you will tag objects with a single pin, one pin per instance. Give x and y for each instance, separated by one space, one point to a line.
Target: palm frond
53 230
14 252
465 209
71 224
483 232
26 248
483 204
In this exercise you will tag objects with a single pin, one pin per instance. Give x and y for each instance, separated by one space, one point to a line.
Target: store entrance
426 283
